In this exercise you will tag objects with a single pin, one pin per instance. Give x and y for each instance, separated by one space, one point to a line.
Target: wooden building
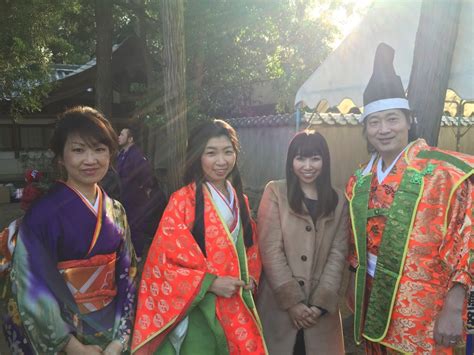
74 85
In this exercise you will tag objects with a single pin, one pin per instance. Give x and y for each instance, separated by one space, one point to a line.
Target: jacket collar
308 218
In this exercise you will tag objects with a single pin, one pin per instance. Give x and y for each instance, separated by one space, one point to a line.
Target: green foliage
234 46
25 33
34 35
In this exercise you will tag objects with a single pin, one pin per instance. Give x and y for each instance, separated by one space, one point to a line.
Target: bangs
88 124
93 135
308 147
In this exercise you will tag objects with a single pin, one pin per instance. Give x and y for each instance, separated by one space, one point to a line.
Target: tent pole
298 118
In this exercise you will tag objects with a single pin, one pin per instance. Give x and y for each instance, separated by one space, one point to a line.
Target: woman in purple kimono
73 273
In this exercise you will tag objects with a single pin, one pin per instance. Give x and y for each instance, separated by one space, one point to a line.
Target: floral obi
91 281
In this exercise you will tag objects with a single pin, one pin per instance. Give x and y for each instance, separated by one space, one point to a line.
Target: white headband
384 104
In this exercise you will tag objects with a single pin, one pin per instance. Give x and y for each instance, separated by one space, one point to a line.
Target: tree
175 87
104 30
434 47
26 31
233 46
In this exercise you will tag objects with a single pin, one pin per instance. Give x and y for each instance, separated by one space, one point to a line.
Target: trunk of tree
142 33
196 74
103 52
172 12
434 46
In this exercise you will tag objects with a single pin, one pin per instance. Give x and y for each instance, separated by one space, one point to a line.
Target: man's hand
449 326
226 286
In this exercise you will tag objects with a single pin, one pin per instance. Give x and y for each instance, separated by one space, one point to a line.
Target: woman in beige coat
303 239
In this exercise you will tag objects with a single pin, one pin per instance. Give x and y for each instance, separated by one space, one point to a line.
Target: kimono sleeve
126 270
37 287
457 246
174 278
253 253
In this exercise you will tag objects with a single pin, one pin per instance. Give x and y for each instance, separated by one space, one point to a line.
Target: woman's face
218 159
85 165
307 169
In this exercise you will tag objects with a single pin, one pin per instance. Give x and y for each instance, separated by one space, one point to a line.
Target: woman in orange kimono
195 295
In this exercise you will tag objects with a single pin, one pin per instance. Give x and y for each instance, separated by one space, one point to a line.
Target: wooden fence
264 142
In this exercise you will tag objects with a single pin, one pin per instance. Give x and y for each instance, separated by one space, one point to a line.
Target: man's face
124 138
387 131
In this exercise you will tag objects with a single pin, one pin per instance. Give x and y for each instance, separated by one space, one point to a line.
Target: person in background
73 269
32 190
137 182
111 184
197 282
412 236
303 240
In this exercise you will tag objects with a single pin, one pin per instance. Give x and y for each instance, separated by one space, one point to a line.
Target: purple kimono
59 228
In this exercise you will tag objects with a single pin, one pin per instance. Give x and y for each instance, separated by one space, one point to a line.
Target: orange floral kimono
177 276
412 238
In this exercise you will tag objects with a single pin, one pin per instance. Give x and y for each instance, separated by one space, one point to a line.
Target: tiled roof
337 119
60 72
287 119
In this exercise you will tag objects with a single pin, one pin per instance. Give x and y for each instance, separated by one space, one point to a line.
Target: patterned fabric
438 252
372 348
176 278
7 246
91 281
228 209
470 312
42 312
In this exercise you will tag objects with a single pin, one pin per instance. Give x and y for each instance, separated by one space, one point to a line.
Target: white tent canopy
461 78
345 73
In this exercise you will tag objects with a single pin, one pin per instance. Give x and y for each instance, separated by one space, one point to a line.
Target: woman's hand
114 348
314 316
74 347
226 286
302 316
251 286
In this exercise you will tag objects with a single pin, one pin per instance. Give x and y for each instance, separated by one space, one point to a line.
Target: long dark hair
193 172
308 144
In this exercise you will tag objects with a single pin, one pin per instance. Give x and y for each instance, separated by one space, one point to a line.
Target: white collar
381 174
229 210
216 194
94 206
